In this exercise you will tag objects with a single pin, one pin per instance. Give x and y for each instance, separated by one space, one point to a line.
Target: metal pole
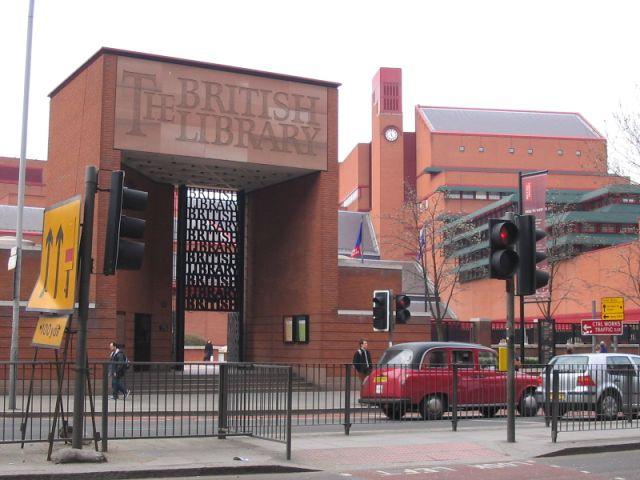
511 410
15 321
91 185
522 332
593 315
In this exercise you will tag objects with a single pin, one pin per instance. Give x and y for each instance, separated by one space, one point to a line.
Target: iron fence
593 395
265 401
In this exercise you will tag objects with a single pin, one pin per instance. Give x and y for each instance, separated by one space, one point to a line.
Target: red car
418 377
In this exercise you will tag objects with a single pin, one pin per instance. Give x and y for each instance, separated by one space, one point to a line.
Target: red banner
534 196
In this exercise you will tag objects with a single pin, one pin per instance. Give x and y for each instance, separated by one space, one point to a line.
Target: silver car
604 383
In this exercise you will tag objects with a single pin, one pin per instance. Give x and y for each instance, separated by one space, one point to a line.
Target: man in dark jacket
117 370
208 351
362 360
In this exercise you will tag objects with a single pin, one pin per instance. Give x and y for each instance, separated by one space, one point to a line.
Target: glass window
463 358
435 359
397 357
461 148
607 228
530 151
494 196
588 228
636 360
618 365
487 360
512 150
481 149
578 153
468 195
570 363
560 151
452 195
481 195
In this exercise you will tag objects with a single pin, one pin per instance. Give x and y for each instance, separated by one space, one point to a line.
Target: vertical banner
534 196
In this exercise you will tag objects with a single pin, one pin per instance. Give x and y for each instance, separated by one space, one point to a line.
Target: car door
636 381
435 374
493 383
468 376
620 372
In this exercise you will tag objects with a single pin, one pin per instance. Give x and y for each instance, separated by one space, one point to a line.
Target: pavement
421 444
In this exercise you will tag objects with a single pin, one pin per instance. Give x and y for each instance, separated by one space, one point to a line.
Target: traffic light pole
86 244
511 391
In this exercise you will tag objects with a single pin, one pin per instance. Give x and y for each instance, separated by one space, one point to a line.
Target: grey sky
540 55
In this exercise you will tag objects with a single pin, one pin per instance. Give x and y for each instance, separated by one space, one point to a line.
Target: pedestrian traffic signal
381 320
503 260
529 277
402 308
119 251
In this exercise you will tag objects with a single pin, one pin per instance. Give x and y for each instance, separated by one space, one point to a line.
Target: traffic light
381 318
529 277
503 260
121 253
402 308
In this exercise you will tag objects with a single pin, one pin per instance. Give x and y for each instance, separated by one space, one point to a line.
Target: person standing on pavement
362 360
117 370
208 351
603 347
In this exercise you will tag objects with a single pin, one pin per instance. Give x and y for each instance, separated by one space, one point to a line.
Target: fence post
347 398
222 402
555 406
105 407
630 376
454 400
547 395
289 406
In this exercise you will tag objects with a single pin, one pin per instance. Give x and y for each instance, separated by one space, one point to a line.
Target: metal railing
592 397
162 400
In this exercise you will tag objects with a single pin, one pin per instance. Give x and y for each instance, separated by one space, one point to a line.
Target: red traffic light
504 233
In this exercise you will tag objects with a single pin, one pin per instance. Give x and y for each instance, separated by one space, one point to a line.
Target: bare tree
625 275
559 289
425 231
627 142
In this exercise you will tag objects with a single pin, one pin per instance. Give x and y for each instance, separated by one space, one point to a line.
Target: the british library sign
182 110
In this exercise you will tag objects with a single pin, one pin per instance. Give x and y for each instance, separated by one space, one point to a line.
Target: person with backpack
117 369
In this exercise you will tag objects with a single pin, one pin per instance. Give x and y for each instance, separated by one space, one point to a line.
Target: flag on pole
357 249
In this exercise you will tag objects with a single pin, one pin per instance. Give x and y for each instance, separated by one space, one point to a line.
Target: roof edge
191 63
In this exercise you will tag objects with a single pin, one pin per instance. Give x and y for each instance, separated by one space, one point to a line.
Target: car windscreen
396 357
570 363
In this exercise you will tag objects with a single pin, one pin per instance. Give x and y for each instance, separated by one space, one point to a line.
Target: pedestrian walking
118 366
569 349
208 351
362 360
603 347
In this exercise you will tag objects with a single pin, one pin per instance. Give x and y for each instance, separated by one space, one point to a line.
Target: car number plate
381 379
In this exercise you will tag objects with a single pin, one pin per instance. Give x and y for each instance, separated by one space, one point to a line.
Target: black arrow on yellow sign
48 242
59 239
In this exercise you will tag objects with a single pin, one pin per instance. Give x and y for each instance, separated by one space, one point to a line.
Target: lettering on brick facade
226 114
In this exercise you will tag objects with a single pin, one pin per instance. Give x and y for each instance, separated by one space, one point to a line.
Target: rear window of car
570 363
397 357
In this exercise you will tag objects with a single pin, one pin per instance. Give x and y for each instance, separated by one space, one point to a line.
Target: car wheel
489 412
528 405
393 412
608 406
432 407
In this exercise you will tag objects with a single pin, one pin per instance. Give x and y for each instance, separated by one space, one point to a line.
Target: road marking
346 475
584 471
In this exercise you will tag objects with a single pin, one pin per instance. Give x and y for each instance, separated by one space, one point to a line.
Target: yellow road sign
50 331
612 308
55 290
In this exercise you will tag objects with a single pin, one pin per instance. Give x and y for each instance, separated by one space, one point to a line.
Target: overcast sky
542 55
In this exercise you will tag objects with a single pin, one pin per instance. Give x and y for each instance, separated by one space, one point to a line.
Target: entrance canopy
183 122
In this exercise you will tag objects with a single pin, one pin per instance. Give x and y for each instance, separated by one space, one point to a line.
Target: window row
512 150
479 195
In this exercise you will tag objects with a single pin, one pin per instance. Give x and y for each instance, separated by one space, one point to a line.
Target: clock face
391 134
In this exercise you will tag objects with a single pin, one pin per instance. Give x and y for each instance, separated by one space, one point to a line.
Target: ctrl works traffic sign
601 327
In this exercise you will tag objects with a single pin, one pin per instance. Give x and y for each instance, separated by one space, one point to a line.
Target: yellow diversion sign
50 331
55 290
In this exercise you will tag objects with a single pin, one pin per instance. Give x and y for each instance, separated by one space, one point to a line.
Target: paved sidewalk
419 444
